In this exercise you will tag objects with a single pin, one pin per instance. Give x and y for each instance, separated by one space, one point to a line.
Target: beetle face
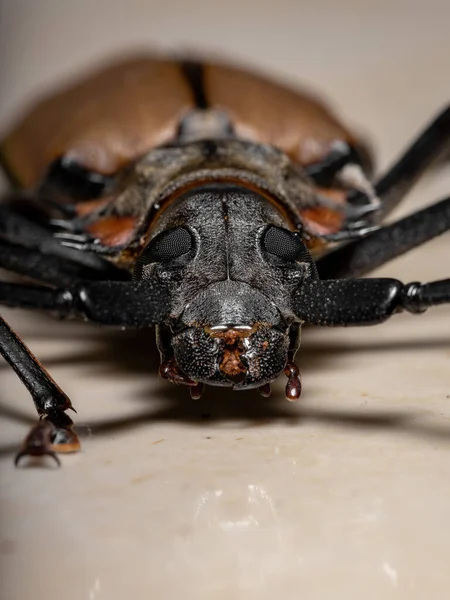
231 264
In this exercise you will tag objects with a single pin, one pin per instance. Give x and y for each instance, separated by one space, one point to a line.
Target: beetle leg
361 256
74 240
122 303
53 432
332 165
350 167
18 229
433 142
348 302
48 437
128 304
54 270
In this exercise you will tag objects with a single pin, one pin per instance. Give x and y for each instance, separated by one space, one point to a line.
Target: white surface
345 494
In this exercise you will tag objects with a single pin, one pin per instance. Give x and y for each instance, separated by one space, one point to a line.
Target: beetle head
232 265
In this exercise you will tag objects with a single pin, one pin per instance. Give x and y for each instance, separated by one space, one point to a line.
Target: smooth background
344 495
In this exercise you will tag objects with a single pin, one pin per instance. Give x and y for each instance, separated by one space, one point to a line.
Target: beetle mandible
211 203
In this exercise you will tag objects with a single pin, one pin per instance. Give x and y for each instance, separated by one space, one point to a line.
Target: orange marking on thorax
85 208
113 231
321 220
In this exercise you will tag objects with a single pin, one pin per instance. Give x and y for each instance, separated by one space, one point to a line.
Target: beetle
209 202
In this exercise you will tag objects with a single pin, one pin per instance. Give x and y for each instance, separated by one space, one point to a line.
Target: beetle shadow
219 405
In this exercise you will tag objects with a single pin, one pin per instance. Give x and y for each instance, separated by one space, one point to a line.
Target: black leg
363 255
29 233
53 432
433 142
108 302
345 302
341 155
123 303
54 270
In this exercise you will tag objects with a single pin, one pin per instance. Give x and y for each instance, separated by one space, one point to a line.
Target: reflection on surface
213 508
235 531
94 592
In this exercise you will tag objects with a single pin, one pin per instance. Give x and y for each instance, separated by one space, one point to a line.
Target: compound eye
68 177
168 245
284 244
164 248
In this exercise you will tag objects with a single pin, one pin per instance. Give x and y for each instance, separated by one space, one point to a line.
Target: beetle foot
294 384
169 370
49 436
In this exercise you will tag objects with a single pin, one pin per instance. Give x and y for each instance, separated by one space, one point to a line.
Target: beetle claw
46 438
23 453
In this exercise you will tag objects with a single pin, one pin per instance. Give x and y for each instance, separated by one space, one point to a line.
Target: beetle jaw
239 356
232 355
